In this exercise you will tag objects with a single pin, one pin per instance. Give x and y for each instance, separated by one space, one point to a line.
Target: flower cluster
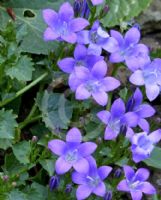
88 78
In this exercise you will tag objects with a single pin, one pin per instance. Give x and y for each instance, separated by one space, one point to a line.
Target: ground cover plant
78 96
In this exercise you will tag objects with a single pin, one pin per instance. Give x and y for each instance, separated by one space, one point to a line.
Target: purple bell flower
93 83
81 58
116 118
150 76
72 153
98 39
62 25
143 144
142 111
128 50
136 183
92 181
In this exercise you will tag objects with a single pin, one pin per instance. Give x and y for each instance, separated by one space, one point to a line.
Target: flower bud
5 178
108 195
54 182
81 8
34 138
14 184
117 173
68 188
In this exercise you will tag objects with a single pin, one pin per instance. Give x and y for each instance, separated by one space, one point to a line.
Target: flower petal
104 171
129 172
117 108
110 134
83 37
131 119
100 97
138 97
145 110
94 49
132 36
66 64
144 125
137 78
82 73
57 146
117 35
87 148
71 38
142 174
80 52
50 17
155 136
111 45
100 190
74 82
152 91
49 34
81 166
96 2
79 178
104 116
74 135
82 92
136 195
78 24
61 166
148 188
123 186
116 57
110 83
99 70
66 11
83 192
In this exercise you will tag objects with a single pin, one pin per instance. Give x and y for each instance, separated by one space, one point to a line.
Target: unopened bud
68 188
5 178
117 173
14 184
54 182
108 195
34 138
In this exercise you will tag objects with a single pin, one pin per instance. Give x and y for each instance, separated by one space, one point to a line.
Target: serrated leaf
56 110
123 10
22 70
21 151
155 158
48 165
33 40
7 124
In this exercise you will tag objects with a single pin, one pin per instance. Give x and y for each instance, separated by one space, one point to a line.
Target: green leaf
29 14
48 165
5 143
16 195
22 70
22 151
7 124
56 110
123 10
155 158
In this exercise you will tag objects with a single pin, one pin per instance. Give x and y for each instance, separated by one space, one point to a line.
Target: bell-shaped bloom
128 50
81 58
63 25
87 83
143 144
150 76
142 110
136 183
116 119
72 152
92 181
97 38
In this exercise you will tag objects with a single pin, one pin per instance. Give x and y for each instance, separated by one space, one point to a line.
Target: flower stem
28 121
23 90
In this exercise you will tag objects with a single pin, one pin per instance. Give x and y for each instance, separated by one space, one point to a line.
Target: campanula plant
80 102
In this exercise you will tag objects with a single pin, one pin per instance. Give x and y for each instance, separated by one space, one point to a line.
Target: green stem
25 89
28 121
33 109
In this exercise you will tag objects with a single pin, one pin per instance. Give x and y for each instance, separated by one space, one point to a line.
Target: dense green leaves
123 10
7 124
56 110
